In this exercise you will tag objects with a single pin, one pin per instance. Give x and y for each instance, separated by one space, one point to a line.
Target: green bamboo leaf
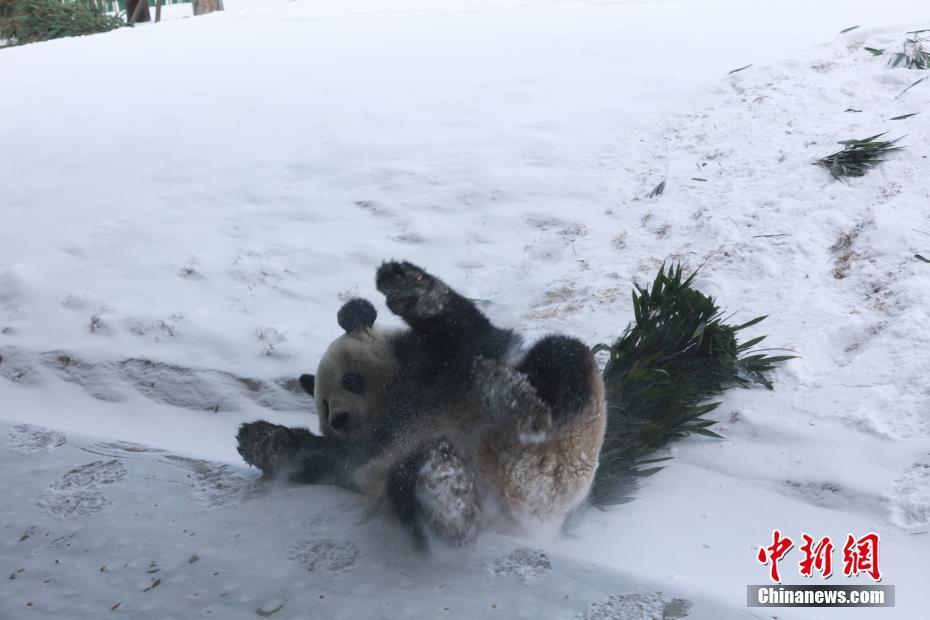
657 190
779 358
860 141
623 500
758 319
707 433
750 343
911 86
701 424
699 330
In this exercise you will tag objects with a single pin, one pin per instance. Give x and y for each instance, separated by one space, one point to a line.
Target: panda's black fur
448 422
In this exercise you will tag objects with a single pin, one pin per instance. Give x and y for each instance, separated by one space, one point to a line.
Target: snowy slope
177 240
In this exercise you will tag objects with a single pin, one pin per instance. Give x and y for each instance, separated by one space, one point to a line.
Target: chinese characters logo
860 555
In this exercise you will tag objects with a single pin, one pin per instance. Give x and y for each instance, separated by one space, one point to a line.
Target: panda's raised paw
394 274
411 292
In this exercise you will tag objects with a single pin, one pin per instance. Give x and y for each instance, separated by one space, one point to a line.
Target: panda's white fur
449 424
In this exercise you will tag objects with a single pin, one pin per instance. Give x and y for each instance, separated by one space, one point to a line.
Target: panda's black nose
339 420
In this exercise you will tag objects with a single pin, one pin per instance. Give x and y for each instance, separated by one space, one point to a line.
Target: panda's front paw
265 445
510 400
411 292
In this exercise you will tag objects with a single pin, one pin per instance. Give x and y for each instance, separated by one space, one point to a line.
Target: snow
203 194
163 536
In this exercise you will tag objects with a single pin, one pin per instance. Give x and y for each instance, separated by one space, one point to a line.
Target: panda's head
353 374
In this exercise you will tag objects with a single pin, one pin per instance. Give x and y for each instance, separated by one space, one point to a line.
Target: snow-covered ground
184 206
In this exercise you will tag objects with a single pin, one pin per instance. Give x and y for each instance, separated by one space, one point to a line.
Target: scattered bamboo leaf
857 156
875 51
903 116
266 612
657 190
698 179
850 29
919 257
851 110
914 53
739 69
911 86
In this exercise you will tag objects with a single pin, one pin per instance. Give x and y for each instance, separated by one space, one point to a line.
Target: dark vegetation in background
30 21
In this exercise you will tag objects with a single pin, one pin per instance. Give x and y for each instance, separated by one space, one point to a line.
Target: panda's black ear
307 382
356 314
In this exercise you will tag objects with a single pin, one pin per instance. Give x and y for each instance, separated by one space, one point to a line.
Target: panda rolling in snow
447 423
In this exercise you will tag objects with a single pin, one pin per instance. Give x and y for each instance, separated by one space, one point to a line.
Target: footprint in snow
78 492
637 606
910 497
216 484
325 554
28 438
835 496
120 449
15 367
338 515
523 563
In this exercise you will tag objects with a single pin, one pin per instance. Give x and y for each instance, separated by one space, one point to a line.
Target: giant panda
450 424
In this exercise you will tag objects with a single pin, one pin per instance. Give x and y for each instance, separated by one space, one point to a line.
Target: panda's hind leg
564 374
433 491
553 383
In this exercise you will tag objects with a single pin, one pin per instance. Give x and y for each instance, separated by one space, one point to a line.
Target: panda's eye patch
353 382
